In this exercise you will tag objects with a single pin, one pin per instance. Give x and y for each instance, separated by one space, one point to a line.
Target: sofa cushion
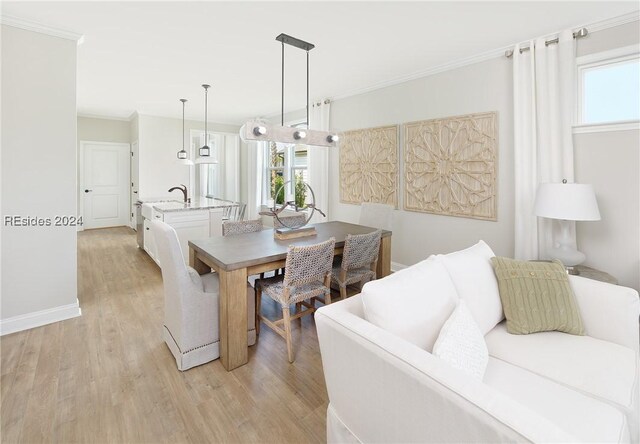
585 418
536 296
598 368
473 277
461 343
413 303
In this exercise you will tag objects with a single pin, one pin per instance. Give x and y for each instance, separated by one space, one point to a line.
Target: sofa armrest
609 312
385 389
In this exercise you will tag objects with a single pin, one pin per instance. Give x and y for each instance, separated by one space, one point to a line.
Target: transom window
609 88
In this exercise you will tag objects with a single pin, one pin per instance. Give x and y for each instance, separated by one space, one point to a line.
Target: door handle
87 191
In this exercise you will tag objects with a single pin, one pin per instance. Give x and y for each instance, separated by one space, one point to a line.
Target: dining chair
376 215
295 221
230 228
307 279
191 304
359 261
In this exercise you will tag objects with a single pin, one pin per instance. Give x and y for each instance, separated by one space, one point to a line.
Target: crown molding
459 63
28 25
614 21
104 117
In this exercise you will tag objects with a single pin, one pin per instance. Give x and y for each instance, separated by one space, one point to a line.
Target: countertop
196 204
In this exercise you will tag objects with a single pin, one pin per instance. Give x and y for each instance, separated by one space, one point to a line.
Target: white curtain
318 166
255 151
543 82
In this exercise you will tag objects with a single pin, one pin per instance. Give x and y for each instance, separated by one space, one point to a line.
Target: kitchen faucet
182 188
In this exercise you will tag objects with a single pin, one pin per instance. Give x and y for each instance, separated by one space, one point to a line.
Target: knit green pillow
536 296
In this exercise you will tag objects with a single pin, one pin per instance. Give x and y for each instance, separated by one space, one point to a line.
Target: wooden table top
245 250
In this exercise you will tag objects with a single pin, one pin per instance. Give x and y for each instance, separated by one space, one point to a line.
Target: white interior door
105 184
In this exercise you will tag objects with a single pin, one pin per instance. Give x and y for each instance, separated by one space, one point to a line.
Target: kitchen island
199 219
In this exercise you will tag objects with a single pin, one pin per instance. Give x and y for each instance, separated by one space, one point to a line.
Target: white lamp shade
568 201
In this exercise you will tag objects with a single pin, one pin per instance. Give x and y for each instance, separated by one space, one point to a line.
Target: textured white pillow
461 344
413 303
472 275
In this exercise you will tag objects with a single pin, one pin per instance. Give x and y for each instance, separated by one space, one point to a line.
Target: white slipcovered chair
376 215
191 305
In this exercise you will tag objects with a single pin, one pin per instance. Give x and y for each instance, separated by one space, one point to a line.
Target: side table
592 273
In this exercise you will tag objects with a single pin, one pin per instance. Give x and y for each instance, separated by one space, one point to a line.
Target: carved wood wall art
369 166
451 166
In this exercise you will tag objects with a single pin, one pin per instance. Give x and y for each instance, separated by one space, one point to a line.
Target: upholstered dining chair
295 221
359 261
306 279
191 304
376 215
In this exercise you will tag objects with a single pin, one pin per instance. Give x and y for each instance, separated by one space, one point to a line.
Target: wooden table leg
234 341
197 264
384 258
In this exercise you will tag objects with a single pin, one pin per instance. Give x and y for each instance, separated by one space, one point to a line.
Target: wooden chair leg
327 297
258 291
287 331
343 292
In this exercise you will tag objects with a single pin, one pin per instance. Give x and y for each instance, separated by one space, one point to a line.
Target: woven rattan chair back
230 228
361 250
290 221
308 263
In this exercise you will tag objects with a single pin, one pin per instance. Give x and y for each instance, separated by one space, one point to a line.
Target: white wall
38 173
103 130
485 86
160 140
611 162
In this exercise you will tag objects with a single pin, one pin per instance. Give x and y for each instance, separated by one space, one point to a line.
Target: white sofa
543 387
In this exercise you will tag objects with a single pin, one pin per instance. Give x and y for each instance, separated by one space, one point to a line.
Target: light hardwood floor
107 376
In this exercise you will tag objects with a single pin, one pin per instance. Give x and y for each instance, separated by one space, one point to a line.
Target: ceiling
145 56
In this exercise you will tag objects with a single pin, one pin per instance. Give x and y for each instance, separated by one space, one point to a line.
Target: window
609 88
219 180
284 163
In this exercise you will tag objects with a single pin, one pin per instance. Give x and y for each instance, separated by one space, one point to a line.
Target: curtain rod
582 32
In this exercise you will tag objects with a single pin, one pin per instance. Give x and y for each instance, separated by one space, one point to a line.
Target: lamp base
567 255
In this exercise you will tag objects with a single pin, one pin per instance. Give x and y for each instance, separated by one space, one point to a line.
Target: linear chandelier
262 131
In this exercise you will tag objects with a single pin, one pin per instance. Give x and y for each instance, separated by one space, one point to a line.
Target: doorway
104 184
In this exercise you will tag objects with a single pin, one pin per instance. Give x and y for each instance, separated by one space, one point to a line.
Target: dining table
236 257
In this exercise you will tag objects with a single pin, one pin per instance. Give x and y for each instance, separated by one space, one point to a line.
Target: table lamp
566 202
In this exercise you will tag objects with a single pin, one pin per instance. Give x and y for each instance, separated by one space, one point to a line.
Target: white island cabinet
198 220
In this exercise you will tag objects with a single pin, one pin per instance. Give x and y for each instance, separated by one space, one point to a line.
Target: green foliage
276 187
301 191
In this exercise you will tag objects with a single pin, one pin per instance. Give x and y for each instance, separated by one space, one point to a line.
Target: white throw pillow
413 303
472 275
461 343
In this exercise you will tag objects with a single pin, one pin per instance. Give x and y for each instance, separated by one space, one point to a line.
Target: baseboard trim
39 318
395 266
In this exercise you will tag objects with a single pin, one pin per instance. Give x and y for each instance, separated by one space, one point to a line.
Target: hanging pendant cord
206 134
282 88
182 126
307 89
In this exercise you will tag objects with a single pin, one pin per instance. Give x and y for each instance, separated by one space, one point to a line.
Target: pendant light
183 156
261 131
205 151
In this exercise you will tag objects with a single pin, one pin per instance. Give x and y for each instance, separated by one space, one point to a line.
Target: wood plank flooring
107 376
